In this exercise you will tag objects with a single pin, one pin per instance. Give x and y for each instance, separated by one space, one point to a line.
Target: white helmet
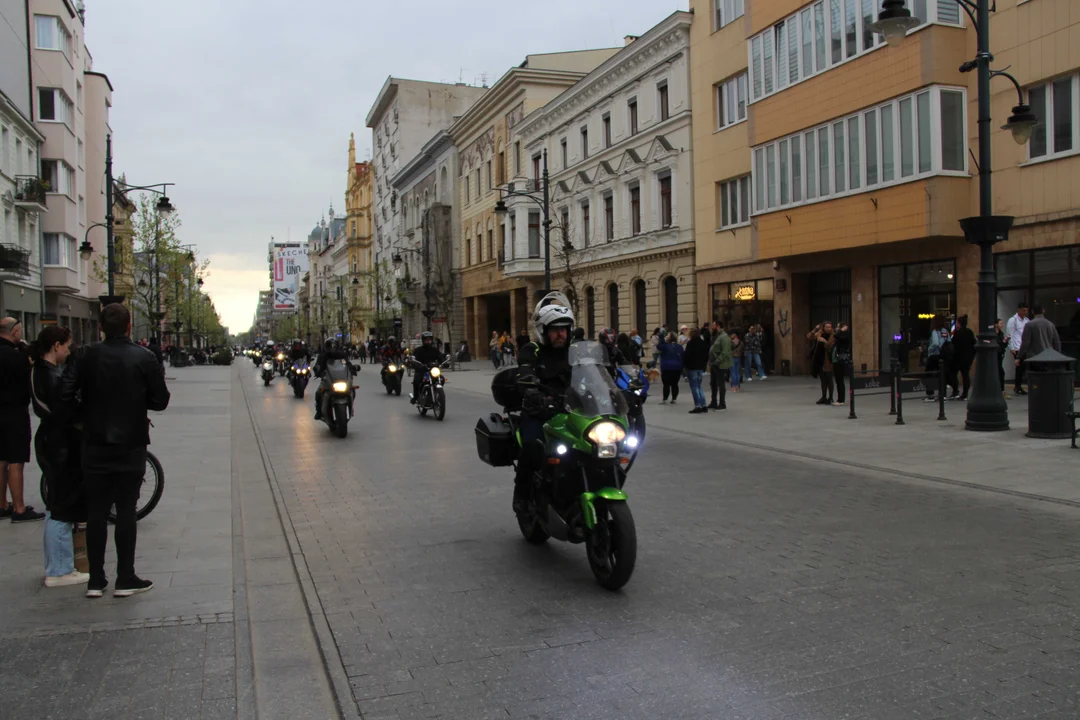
553 310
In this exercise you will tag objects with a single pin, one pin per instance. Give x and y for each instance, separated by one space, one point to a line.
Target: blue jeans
59 555
694 376
735 368
750 361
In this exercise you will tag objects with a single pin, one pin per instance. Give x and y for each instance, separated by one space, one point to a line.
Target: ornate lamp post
986 409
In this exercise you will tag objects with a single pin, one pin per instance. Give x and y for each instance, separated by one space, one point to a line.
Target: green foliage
223 356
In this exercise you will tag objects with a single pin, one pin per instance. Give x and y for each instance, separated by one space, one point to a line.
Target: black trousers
112 476
1018 382
671 379
718 380
826 377
1001 370
933 363
840 373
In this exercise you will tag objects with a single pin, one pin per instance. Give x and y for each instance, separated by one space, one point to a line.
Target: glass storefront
742 304
909 298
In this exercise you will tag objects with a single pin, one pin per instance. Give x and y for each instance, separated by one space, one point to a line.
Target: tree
379 281
566 260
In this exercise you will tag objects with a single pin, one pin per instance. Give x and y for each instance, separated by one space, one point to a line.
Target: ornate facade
359 234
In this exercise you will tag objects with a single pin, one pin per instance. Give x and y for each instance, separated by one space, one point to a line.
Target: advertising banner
290 264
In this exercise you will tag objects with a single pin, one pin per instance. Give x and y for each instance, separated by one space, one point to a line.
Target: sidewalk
779 414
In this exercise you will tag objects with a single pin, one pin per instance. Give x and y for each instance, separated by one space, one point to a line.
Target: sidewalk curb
324 638
850 464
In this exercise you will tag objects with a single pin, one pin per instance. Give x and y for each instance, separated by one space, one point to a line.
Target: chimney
629 39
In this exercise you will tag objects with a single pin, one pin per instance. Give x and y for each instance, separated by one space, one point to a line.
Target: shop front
741 304
910 297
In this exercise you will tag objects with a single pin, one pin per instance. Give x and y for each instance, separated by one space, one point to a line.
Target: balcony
14 260
30 193
61 279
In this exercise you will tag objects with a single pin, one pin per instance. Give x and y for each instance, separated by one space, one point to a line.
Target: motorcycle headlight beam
435 372
392 368
606 433
561 449
632 442
341 386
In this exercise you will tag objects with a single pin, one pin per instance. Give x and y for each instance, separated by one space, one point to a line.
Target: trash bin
1050 394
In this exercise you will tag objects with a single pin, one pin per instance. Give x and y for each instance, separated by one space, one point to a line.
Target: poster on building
290 264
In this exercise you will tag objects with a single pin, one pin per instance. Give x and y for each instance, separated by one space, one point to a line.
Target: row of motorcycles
338 391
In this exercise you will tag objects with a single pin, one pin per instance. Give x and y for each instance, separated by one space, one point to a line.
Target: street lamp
986 409
545 205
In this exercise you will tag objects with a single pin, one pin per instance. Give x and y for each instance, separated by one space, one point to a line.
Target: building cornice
661 44
426 157
382 101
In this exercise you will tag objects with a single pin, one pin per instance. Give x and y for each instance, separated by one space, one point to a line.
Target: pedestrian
822 365
1039 334
636 338
695 361
654 347
155 347
706 334
1014 335
936 354
963 342
14 421
56 446
736 360
752 346
116 383
671 366
720 363
628 349
493 349
684 335
841 358
1002 346
507 349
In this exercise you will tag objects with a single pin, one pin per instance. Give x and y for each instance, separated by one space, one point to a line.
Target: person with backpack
936 354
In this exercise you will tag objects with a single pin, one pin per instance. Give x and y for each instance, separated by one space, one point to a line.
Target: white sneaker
749 379
763 377
72 578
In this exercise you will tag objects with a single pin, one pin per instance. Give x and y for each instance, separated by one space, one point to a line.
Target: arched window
613 306
640 320
671 302
590 313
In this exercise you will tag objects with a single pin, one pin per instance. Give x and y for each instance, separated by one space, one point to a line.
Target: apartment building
833 171
358 215
618 144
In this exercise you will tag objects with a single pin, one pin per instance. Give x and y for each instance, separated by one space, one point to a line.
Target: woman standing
737 350
493 349
695 362
822 337
671 366
56 447
753 343
939 335
841 357
963 356
1002 345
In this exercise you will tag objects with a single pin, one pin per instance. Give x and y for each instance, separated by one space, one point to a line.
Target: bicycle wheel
153 486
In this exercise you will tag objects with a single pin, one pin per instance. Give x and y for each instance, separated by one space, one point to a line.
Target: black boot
521 495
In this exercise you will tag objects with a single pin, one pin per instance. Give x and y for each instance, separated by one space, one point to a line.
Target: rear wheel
439 409
151 490
612 545
341 421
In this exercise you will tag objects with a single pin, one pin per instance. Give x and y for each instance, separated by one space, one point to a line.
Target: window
665 200
1055 105
565 156
517 157
663 101
609 216
613 307
584 142
607 130
488 167
513 234
824 35
731 101
734 202
858 152
500 169
51 34
632 109
564 225
534 234
585 224
468 251
60 250
536 167
479 187
490 243
54 105
78 95
59 175
726 12
635 210
81 154
465 185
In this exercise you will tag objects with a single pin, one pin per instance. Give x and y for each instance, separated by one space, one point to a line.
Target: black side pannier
495 443
504 389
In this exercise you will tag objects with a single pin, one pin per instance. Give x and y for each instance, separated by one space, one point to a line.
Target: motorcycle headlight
280 356
392 368
606 433
435 372
632 442
267 366
341 386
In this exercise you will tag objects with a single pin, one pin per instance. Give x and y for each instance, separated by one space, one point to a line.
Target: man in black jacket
14 421
114 384
427 354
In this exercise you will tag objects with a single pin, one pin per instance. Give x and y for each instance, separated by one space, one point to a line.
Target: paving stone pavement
767 586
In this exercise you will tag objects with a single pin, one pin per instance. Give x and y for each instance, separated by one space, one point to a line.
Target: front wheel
266 381
397 388
298 390
151 490
341 420
612 545
439 404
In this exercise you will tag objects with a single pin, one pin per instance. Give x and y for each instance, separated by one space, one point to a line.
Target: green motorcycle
587 449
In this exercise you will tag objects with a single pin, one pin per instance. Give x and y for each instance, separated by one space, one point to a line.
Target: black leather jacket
544 368
428 355
14 380
57 444
115 383
325 356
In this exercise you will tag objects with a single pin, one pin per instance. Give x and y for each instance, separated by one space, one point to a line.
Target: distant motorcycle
281 366
267 372
338 394
432 397
635 386
298 377
391 377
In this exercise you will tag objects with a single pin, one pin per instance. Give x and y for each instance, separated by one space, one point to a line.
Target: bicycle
146 502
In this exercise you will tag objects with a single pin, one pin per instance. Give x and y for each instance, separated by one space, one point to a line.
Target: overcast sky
247 105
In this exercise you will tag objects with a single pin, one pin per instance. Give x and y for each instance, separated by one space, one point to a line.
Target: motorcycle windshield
337 370
592 392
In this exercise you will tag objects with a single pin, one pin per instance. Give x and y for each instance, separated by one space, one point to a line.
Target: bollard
892 392
899 401
941 390
851 391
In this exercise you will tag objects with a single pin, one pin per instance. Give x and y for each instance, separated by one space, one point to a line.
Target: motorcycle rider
544 372
614 355
391 353
427 354
299 351
330 351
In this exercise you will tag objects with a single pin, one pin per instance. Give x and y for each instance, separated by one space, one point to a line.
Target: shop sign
926 316
745 292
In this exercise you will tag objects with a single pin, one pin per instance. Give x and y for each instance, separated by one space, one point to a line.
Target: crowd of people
91 442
